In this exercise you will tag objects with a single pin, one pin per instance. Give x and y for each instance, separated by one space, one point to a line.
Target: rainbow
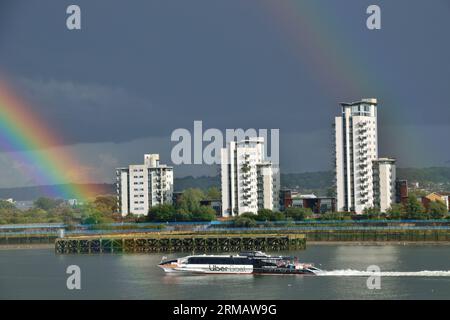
312 32
31 143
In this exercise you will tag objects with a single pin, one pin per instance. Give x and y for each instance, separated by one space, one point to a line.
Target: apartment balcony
364 173
364 192
362 124
246 189
363 156
363 164
363 130
246 196
362 145
363 201
364 185
362 138
362 153
363 149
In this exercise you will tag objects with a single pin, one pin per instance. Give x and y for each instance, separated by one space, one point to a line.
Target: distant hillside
317 182
203 182
308 181
425 175
32 193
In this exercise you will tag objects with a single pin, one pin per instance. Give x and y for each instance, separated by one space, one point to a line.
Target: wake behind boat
251 262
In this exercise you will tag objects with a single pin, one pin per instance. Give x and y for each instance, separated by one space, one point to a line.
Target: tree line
412 209
102 209
188 208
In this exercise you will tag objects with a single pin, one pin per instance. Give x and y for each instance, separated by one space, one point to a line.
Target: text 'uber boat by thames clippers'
253 262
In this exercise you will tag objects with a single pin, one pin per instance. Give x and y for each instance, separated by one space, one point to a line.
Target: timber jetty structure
151 242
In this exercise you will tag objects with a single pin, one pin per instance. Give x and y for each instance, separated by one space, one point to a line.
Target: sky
138 70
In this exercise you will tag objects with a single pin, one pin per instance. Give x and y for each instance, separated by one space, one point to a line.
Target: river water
408 272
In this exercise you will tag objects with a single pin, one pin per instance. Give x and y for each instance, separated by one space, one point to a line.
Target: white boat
253 262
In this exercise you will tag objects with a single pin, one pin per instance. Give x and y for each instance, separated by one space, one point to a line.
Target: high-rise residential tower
249 181
356 147
142 186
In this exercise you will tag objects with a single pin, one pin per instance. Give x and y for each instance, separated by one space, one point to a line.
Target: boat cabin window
218 260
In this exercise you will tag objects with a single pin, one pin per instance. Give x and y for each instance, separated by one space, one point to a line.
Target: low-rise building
216 204
401 191
316 204
434 196
285 199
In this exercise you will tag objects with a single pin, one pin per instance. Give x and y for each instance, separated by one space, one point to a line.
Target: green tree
298 213
372 213
6 205
437 209
204 213
396 211
250 215
183 215
106 203
213 193
244 222
162 212
414 209
190 200
45 203
93 215
96 217
336 216
264 215
269 215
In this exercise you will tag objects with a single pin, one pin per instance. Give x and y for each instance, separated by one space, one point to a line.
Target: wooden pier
179 243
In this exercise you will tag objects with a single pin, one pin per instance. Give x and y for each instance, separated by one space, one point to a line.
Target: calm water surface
40 274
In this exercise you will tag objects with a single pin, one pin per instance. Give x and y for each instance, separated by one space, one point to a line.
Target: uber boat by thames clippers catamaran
253 262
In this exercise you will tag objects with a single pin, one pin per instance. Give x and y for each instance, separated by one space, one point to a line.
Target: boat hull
208 269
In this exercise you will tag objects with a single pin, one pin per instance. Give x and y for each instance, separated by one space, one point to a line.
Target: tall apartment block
384 176
142 186
356 148
362 179
249 181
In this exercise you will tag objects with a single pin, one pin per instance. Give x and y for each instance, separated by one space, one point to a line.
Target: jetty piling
180 243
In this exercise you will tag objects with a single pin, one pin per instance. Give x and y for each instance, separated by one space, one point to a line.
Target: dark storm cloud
140 69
